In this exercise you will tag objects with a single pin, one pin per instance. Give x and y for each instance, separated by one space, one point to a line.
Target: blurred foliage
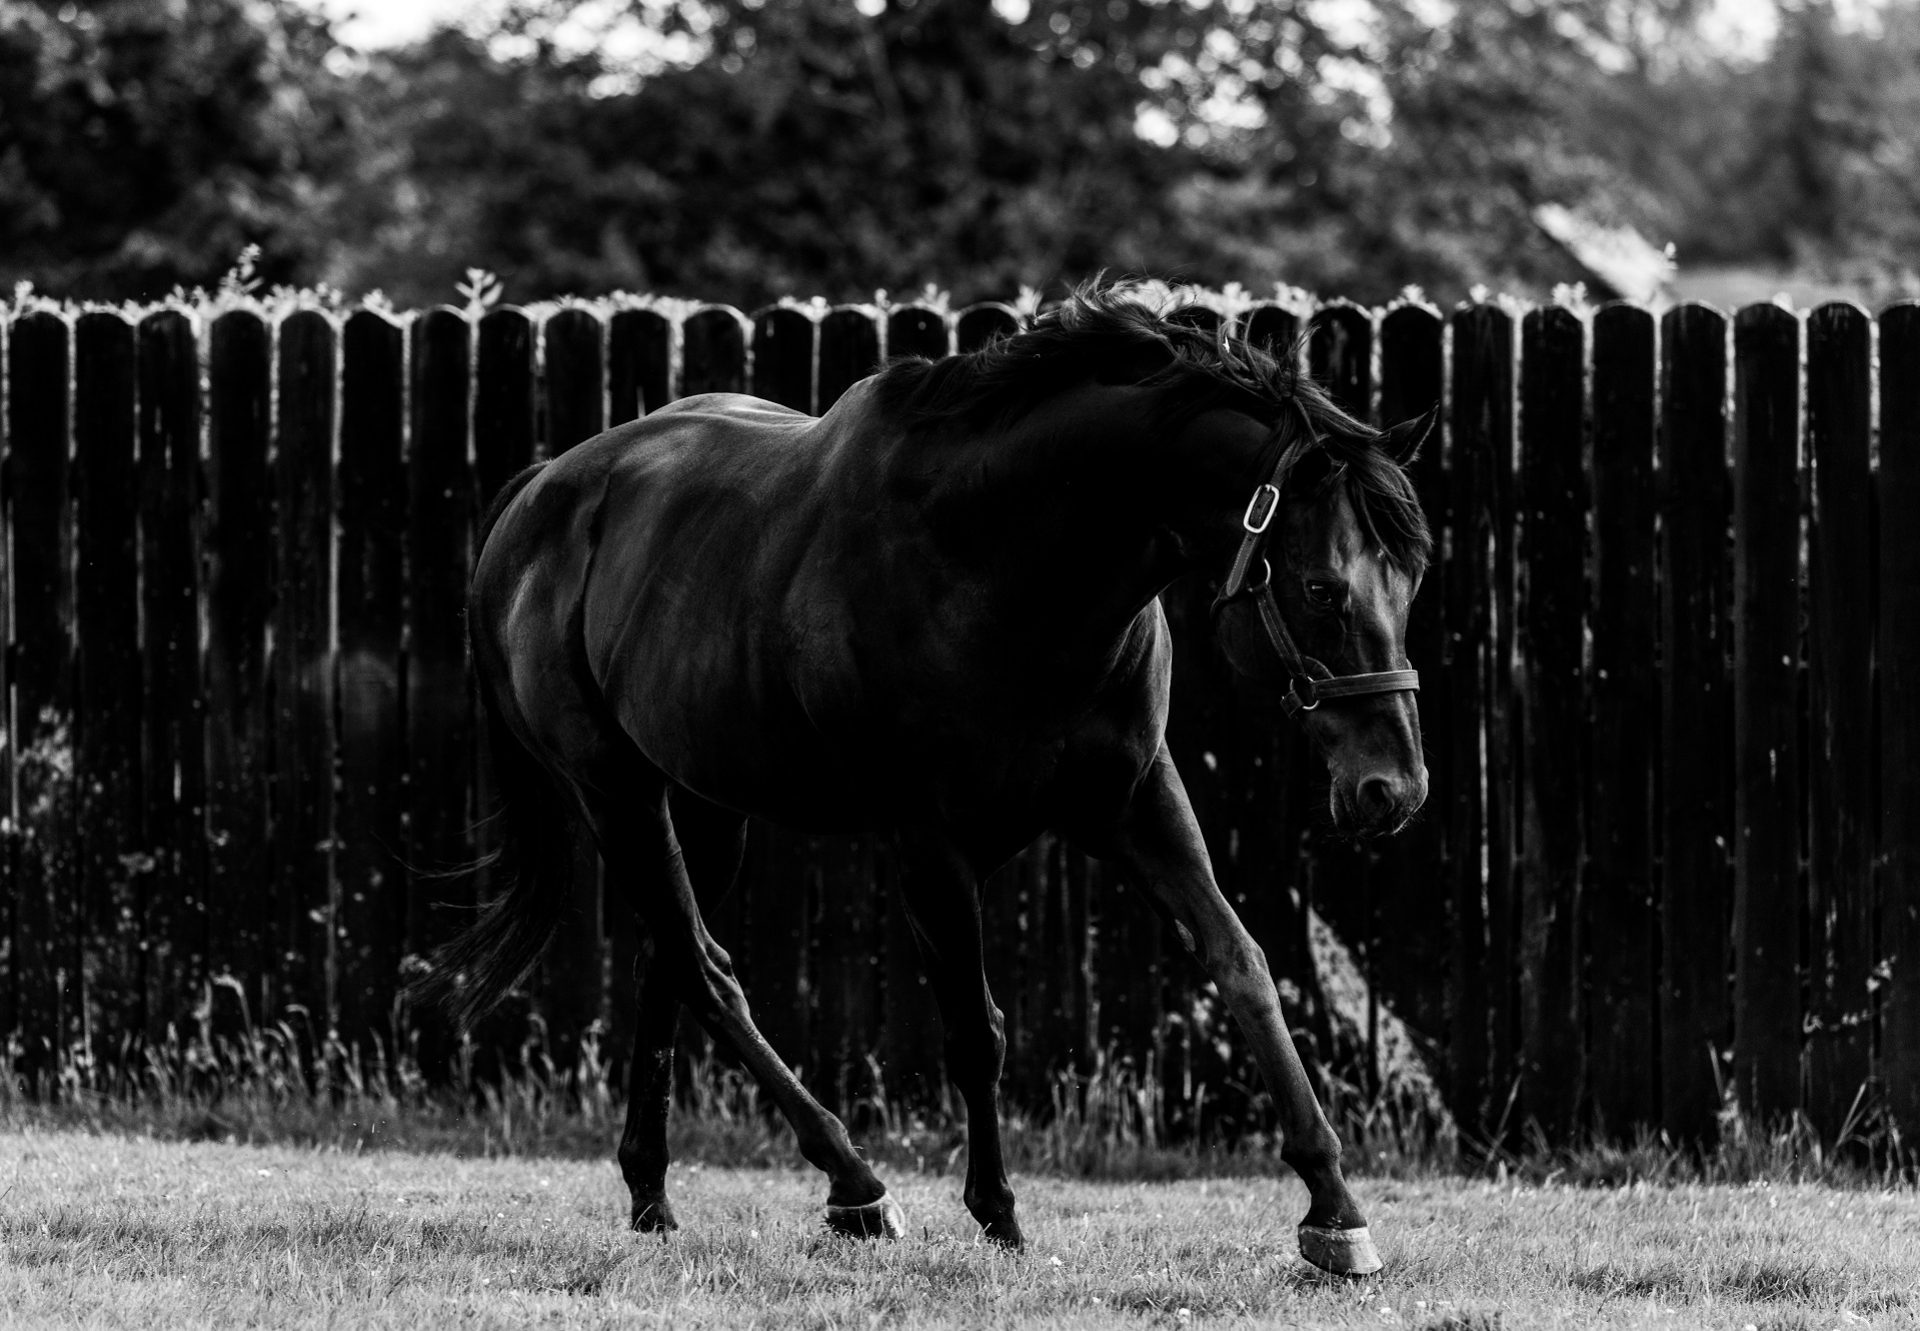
756 148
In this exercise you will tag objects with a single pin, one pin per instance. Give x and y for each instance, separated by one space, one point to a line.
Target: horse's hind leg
642 852
711 839
643 1144
943 900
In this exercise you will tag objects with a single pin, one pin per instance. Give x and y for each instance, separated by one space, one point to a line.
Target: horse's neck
1089 509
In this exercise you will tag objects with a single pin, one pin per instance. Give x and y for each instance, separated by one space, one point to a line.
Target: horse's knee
714 992
977 1051
717 957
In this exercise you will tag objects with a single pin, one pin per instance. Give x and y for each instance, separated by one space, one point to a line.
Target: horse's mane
1108 333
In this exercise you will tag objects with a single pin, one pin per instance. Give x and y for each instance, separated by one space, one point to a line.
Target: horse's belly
735 750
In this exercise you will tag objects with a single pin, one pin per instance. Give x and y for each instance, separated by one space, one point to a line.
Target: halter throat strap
1310 681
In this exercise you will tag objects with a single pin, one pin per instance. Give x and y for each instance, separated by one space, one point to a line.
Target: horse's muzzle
1380 802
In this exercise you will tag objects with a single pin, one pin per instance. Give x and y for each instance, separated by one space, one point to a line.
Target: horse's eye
1322 593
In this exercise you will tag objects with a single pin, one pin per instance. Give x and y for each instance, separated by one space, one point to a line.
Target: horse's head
1333 551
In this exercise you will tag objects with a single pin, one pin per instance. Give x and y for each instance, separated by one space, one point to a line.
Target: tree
144 144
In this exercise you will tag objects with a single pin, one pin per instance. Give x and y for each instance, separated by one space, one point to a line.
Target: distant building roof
1619 260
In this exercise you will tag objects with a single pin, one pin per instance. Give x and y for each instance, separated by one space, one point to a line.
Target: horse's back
757 602
647 570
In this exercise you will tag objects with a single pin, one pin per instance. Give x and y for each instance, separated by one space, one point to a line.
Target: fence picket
1840 624
1340 355
1411 897
370 928
574 975
1479 584
306 910
639 364
1899 698
1767 754
977 325
106 744
576 380
173 768
1620 920
505 403
439 722
849 350
1550 705
783 338
1275 328
918 330
713 352
9 907
43 885
238 562
1696 717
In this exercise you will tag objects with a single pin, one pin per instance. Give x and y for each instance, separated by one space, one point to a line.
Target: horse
934 610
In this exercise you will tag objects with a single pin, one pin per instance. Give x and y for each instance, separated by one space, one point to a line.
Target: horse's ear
1403 441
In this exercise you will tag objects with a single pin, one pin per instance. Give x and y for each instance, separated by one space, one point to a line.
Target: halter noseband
1310 681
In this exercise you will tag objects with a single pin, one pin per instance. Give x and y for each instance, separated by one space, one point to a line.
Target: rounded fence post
1696 722
1767 911
1840 720
1619 915
370 927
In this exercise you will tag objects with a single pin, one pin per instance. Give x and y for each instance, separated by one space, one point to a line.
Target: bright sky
393 22
389 22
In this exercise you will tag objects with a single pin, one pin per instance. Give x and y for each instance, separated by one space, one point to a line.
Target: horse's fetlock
992 1201
1315 1158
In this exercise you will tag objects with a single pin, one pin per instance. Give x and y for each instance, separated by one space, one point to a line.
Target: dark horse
934 610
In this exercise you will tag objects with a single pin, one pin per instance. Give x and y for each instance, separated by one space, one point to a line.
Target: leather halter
1310 681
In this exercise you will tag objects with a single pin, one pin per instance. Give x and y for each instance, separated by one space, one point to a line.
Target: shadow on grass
1742 1281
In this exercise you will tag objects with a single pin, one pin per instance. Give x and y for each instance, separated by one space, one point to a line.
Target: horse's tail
471 974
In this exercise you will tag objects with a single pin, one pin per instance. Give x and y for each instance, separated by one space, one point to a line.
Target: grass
258 1177
113 1230
257 1083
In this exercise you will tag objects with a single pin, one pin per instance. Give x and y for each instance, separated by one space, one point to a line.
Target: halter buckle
1260 509
1303 700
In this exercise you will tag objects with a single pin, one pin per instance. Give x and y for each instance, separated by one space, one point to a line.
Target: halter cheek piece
1310 682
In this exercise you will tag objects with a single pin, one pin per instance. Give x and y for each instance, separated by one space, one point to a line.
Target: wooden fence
1670 649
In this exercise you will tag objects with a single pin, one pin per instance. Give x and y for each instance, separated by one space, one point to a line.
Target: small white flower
1182 1313
1055 1260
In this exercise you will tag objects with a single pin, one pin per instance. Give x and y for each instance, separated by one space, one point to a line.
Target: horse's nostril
1375 799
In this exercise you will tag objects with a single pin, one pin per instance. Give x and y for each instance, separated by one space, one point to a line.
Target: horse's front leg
943 900
1157 843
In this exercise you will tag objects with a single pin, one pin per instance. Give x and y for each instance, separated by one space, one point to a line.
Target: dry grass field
102 1229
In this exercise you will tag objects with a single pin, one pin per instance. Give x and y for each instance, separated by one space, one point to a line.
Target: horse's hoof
654 1217
882 1219
1006 1233
1345 1252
